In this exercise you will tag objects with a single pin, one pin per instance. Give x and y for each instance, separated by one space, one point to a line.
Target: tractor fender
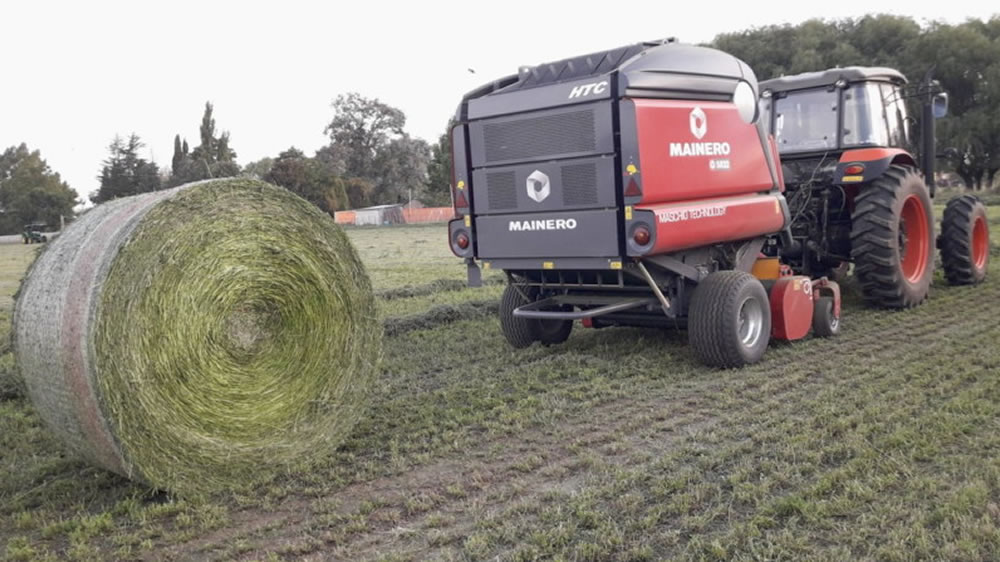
876 161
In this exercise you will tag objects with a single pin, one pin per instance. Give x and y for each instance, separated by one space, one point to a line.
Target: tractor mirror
939 104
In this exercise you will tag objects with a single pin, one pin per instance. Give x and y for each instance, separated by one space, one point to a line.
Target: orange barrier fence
344 217
410 216
428 214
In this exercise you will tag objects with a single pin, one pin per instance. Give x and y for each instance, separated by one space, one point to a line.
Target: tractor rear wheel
892 239
729 320
964 241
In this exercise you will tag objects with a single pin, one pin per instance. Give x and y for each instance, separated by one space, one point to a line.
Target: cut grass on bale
879 444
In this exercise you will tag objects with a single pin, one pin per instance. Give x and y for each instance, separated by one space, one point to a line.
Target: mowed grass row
617 444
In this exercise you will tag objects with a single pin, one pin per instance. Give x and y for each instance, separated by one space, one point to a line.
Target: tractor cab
836 110
817 116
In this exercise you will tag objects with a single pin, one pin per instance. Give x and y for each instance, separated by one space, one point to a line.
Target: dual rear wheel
892 240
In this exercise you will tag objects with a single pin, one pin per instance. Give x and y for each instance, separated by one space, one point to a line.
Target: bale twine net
199 338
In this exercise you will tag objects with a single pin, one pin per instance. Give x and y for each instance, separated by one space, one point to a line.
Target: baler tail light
641 235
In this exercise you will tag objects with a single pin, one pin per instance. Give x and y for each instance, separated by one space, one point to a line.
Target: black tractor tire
551 332
892 239
965 241
825 323
519 332
729 320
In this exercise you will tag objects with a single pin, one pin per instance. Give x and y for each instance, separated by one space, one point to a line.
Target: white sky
73 74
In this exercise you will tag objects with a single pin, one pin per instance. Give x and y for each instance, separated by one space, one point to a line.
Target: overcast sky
77 73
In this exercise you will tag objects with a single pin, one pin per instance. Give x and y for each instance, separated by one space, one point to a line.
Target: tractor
642 186
857 192
34 234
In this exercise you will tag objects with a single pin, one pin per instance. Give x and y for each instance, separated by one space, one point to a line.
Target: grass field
881 444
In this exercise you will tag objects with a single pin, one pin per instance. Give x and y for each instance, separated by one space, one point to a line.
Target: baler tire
519 332
714 319
889 275
825 324
551 332
965 241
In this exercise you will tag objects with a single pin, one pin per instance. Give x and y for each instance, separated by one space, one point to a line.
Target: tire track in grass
775 404
622 412
805 388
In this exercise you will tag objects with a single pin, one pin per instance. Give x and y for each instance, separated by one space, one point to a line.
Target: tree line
965 58
370 159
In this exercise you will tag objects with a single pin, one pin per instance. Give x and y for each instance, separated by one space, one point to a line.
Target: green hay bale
200 338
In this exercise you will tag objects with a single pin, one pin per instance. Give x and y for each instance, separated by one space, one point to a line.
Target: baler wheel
520 332
551 332
825 323
965 241
892 239
729 319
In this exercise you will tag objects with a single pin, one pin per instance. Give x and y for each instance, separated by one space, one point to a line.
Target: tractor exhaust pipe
934 106
929 148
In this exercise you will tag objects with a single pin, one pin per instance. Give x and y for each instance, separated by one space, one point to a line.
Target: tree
259 169
437 190
180 151
360 130
308 179
124 173
30 192
213 158
401 169
965 59
359 192
368 144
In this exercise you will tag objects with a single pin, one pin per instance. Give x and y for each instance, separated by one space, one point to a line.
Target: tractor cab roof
830 77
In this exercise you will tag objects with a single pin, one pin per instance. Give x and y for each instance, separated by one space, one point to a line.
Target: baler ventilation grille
579 184
501 190
538 137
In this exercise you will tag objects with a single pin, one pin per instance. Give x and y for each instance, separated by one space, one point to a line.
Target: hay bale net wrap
199 338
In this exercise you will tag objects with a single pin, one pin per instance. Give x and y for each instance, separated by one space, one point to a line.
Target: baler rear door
544 183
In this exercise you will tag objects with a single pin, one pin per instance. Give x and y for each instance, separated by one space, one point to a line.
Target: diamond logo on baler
699 123
538 186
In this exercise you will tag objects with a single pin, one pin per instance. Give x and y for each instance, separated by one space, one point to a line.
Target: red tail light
641 235
854 169
462 241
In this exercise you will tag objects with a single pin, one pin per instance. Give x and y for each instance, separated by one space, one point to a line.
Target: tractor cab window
806 121
864 116
895 114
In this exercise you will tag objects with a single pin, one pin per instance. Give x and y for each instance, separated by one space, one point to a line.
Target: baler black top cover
662 69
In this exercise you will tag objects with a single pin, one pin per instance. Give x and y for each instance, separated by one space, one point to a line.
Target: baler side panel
677 165
680 226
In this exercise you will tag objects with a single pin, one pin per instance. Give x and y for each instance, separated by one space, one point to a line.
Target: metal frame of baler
666 275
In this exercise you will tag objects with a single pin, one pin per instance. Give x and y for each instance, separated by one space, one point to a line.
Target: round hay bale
199 338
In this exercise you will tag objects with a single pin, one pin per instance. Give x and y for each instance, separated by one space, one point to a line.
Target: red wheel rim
914 239
980 242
